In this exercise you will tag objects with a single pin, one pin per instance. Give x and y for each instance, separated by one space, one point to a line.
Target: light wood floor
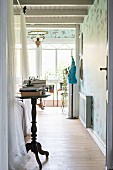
68 142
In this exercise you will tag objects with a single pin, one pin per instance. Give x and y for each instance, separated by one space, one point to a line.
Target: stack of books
35 83
30 91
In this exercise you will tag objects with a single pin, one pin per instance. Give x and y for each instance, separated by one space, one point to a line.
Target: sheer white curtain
39 61
22 65
18 49
19 159
25 68
24 55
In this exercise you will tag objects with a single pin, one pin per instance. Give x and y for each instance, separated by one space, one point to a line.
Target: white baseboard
82 122
99 142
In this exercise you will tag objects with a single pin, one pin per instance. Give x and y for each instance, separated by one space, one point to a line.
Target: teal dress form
72 73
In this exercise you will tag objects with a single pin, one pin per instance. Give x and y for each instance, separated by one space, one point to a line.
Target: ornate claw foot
47 154
33 147
38 160
36 148
28 146
39 148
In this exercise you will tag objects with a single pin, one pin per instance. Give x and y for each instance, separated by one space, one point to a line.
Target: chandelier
38 35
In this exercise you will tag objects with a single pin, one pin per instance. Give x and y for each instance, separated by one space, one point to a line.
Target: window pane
48 64
63 61
18 70
32 62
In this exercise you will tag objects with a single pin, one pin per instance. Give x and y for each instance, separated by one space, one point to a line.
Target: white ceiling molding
54 12
54 2
31 26
53 20
45 13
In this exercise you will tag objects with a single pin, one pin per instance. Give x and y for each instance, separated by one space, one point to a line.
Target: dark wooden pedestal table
35 146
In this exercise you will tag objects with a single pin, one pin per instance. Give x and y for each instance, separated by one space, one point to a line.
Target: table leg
34 146
53 98
57 98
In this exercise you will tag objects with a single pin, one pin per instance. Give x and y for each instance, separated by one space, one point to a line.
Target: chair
59 90
50 89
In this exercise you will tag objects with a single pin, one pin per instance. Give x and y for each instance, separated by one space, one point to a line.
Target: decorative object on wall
61 33
81 44
81 69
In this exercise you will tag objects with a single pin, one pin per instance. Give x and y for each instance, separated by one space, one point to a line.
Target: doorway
60 56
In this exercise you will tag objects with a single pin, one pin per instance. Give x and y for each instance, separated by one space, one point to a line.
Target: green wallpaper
94 31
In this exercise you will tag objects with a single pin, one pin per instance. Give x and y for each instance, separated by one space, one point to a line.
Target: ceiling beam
51 26
54 2
56 12
51 20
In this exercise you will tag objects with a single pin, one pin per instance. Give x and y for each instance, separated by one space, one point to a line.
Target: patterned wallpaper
94 31
61 33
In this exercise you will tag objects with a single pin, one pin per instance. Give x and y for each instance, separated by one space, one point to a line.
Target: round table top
35 97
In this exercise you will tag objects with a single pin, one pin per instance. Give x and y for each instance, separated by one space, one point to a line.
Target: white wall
94 31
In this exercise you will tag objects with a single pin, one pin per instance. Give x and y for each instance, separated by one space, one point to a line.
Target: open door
109 115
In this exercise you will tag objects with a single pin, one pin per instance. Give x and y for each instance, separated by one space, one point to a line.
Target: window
48 64
55 58
32 62
63 61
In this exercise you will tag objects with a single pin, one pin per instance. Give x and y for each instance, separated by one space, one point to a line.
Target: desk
35 146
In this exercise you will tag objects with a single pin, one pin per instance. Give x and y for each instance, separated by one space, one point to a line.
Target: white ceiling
52 13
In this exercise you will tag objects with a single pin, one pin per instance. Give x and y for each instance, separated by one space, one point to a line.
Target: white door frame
3 86
109 116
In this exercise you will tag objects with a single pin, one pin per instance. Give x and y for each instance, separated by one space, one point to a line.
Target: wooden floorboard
70 145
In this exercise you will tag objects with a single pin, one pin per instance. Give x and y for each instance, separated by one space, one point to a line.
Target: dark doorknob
101 69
